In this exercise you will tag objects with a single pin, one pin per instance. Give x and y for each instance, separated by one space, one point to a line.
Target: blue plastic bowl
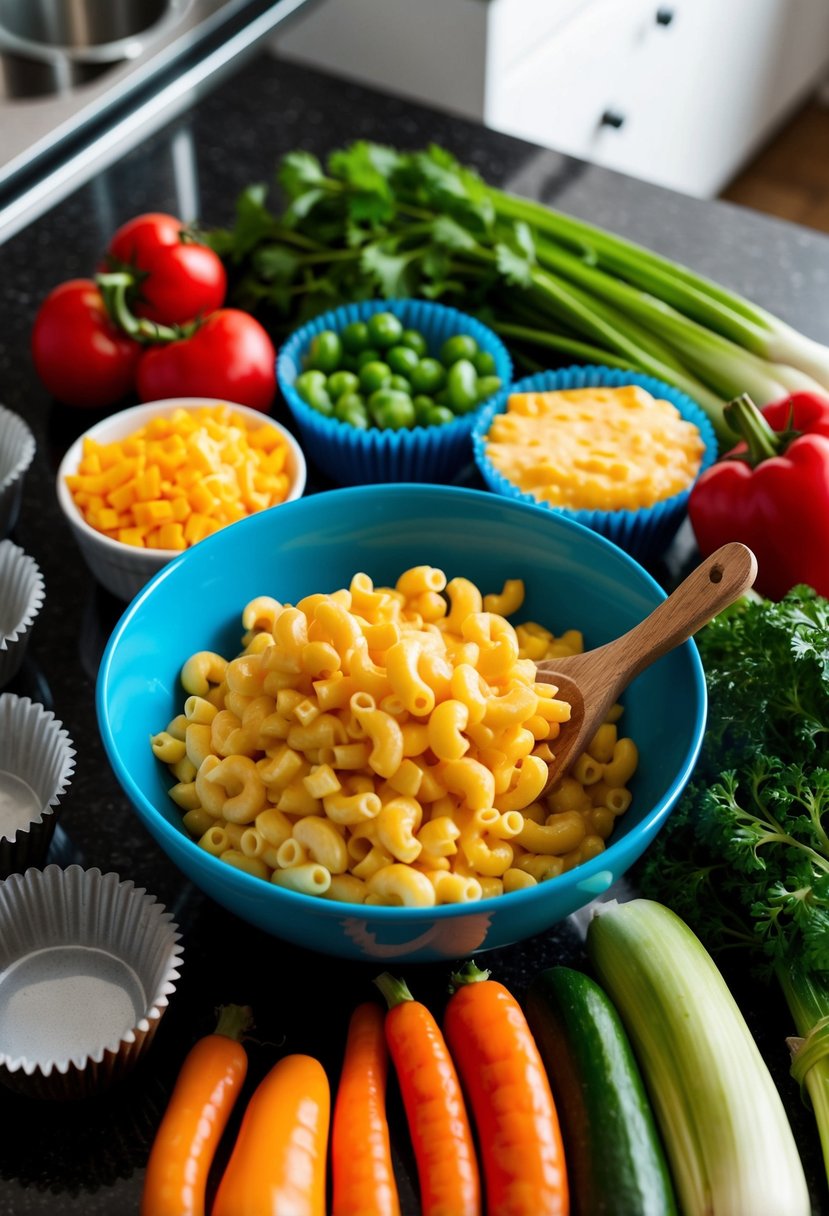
645 533
421 453
574 578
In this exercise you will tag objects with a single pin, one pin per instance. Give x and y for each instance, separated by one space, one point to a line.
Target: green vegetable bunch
375 221
745 857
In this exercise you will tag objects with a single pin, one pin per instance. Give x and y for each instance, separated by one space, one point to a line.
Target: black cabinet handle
664 16
612 118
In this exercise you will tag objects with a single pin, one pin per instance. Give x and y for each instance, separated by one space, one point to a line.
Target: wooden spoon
593 681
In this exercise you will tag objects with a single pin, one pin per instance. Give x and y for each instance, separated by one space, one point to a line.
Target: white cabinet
678 92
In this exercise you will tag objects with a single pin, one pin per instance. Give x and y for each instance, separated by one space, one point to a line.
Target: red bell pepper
772 492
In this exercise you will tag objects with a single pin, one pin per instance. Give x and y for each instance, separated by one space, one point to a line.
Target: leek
726 1134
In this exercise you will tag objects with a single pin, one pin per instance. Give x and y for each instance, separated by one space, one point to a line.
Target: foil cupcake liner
17 449
21 598
88 963
646 533
420 453
37 761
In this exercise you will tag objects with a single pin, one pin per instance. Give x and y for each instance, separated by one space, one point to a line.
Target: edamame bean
384 329
460 346
355 337
391 410
342 382
488 386
462 387
414 339
325 351
484 363
374 375
428 377
402 360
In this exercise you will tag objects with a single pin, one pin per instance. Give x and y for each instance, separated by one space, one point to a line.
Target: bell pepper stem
745 419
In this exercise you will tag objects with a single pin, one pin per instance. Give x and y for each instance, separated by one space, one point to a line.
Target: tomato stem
114 286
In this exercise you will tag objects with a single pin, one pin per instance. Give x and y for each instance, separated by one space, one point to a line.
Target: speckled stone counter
59 1161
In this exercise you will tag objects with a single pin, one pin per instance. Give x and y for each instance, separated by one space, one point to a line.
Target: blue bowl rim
607 376
251 885
293 347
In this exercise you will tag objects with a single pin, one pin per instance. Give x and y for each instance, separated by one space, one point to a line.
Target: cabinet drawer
560 93
677 93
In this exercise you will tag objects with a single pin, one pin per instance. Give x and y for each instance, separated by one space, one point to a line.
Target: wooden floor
790 176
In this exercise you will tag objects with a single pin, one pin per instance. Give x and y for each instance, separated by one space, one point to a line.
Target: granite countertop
58 1161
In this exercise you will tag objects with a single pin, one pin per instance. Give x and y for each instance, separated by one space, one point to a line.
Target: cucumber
615 1162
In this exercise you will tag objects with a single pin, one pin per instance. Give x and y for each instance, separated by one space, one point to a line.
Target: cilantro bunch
744 859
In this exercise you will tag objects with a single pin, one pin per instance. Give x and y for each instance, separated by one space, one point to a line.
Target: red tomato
180 283
79 355
143 235
176 279
228 356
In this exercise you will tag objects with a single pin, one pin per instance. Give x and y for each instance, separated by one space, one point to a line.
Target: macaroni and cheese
389 745
595 448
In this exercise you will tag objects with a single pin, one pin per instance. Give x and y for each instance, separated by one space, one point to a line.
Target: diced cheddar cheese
180 478
595 448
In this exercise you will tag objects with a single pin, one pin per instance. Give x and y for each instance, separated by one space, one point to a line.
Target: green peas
461 346
428 377
462 387
384 329
402 360
422 406
351 408
355 337
392 411
325 351
311 386
415 341
484 363
342 382
488 386
374 375
438 415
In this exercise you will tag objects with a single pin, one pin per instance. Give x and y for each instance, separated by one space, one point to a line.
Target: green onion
712 306
726 1134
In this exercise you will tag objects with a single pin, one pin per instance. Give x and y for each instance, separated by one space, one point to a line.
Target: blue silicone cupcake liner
645 533
420 453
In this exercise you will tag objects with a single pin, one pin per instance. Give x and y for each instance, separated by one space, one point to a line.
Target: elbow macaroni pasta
388 745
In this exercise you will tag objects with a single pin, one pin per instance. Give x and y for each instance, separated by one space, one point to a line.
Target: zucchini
614 1156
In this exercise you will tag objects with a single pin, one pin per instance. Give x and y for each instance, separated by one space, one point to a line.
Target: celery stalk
726 1133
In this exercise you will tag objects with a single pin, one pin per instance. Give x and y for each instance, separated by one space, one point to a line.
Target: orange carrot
504 1078
206 1089
447 1167
361 1166
277 1166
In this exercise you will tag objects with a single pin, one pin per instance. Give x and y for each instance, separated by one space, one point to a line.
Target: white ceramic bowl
124 569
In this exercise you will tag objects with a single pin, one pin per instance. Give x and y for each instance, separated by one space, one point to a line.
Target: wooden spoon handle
715 583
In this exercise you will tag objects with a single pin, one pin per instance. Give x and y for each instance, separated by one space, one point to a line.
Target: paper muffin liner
21 598
37 751
645 533
17 449
420 453
88 963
